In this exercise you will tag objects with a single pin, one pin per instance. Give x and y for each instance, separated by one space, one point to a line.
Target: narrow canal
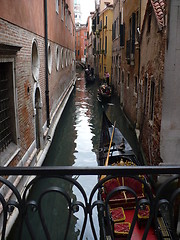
75 143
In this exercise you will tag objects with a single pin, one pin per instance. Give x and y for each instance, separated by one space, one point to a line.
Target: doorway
37 119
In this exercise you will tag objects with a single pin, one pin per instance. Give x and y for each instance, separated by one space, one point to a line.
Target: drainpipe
139 63
103 45
46 63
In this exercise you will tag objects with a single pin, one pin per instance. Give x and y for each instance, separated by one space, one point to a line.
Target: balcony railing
162 201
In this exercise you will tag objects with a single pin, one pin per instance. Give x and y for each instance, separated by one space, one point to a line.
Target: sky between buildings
87 6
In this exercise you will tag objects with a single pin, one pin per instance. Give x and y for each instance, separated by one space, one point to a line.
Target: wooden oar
107 158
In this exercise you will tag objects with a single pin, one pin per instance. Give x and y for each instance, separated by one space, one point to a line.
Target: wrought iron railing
163 204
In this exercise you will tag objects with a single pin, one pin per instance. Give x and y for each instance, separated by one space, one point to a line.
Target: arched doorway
37 119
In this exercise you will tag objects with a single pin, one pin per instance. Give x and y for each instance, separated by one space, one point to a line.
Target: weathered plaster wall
170 129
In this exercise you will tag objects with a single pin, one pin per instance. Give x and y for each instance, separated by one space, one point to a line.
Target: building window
106 21
100 25
149 22
117 27
66 17
49 59
122 34
145 92
7 109
35 62
122 77
152 96
62 10
130 28
128 79
62 57
137 27
135 84
57 6
57 58
65 58
119 76
105 50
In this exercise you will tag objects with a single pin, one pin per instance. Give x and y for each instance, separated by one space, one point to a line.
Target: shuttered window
122 34
106 45
6 107
133 33
152 99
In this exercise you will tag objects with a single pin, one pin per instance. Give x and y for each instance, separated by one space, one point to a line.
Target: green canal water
75 143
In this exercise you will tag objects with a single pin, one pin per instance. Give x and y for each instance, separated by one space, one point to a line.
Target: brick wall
25 83
152 66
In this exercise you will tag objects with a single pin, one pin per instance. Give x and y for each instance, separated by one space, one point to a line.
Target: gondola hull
116 192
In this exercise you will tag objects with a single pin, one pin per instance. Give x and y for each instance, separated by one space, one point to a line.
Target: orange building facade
81 43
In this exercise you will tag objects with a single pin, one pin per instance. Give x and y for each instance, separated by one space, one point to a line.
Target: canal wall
33 159
37 76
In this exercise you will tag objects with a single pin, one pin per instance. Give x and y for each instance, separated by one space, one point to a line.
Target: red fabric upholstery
118 214
124 199
122 228
110 185
144 213
134 185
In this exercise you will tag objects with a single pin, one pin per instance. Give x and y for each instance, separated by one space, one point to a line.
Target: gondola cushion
117 214
122 229
134 184
111 185
125 198
144 213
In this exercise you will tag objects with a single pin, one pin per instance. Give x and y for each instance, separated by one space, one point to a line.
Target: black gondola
89 75
120 147
120 208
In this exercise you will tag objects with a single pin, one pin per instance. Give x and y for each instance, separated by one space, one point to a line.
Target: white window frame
35 60
49 58
62 10
57 54
62 57
57 6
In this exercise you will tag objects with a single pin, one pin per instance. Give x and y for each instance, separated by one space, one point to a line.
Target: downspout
46 63
103 46
139 66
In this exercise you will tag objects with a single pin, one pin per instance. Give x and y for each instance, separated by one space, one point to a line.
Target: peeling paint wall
170 128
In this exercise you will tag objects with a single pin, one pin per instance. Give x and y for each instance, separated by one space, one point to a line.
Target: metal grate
5 130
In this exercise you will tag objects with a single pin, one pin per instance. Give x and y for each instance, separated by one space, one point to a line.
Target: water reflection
75 143
84 156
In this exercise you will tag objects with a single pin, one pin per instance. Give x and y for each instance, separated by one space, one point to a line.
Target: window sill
8 154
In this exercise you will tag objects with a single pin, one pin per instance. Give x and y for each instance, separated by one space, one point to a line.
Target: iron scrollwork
161 206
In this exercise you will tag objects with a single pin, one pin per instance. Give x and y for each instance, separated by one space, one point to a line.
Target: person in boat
87 71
